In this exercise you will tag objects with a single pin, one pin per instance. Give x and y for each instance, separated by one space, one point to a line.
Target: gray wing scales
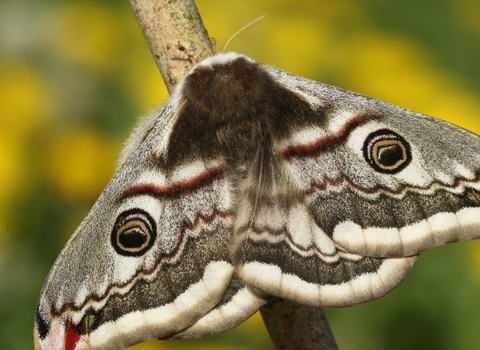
237 305
431 198
253 182
151 258
370 185
433 201
282 251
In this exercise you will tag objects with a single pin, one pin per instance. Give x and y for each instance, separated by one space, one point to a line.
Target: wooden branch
173 30
295 326
175 34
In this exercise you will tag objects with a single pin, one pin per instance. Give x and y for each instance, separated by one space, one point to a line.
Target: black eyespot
134 233
386 151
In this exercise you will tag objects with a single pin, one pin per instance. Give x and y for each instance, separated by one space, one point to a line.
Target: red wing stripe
300 150
175 188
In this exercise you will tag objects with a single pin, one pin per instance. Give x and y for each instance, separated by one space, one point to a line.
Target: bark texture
175 34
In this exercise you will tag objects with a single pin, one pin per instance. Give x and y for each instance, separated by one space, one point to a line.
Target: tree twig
295 326
174 31
175 34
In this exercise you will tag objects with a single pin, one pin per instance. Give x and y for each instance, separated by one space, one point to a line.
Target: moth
253 182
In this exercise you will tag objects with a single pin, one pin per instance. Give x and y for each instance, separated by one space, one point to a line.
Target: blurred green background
75 75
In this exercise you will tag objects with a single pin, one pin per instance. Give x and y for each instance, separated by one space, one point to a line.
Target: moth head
386 151
134 233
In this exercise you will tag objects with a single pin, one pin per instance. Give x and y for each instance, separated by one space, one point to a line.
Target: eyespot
386 151
134 233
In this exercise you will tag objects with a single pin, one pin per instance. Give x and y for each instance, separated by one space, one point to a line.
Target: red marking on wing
73 332
176 187
325 183
400 191
322 186
72 335
299 150
206 219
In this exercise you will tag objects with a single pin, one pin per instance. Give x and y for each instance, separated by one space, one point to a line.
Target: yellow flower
81 162
25 105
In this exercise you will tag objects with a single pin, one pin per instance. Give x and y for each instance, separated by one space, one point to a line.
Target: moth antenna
194 40
241 30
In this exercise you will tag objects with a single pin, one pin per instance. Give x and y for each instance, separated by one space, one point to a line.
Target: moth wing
238 304
326 227
282 251
106 291
434 199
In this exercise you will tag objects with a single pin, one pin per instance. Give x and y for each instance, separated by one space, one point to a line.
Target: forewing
356 188
430 200
107 290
